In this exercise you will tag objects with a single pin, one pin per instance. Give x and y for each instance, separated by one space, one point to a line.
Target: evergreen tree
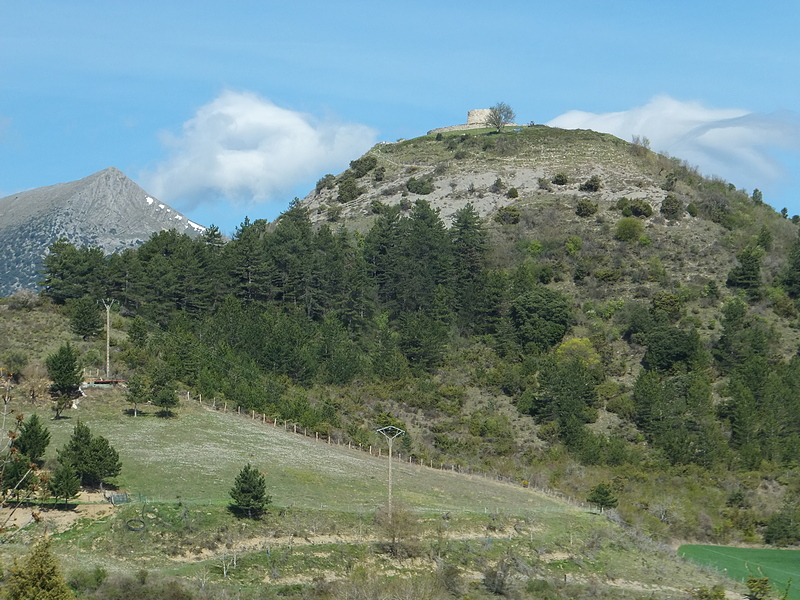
92 458
137 392
72 273
468 238
747 274
33 439
602 497
85 320
64 369
64 483
790 276
540 318
37 577
249 492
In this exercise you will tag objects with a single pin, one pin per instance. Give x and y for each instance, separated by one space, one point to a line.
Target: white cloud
732 143
244 148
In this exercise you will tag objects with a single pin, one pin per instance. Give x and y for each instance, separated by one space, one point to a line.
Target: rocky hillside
106 209
560 199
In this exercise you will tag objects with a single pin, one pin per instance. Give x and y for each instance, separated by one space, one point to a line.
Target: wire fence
340 440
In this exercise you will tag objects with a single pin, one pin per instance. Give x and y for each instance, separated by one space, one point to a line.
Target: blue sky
230 109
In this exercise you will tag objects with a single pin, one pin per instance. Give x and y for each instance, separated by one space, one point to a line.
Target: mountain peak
105 209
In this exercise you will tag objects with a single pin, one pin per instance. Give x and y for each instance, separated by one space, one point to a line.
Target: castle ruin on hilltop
476 119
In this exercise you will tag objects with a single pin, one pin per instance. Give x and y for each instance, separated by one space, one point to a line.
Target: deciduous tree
500 115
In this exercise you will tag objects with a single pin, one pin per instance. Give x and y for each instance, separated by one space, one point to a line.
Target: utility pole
108 304
390 433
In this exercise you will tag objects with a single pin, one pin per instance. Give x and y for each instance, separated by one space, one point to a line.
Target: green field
780 566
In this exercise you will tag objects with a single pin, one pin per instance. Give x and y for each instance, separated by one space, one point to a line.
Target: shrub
585 208
422 187
379 174
628 229
460 154
362 166
593 184
326 183
635 207
333 213
349 190
560 179
508 215
497 187
439 137
672 208
691 208
573 245
545 185
512 193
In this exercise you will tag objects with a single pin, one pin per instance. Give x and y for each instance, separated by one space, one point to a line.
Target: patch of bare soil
88 505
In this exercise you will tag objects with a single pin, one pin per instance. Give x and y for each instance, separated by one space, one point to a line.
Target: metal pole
390 433
108 304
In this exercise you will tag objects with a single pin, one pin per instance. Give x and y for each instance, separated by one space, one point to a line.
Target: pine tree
85 319
65 371
93 458
249 492
33 438
137 391
602 497
64 483
37 577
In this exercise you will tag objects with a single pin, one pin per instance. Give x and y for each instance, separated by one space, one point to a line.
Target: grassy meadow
781 566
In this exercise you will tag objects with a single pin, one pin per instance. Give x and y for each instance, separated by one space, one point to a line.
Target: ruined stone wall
476 119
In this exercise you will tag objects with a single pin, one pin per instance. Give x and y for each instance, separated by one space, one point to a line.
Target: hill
587 313
106 210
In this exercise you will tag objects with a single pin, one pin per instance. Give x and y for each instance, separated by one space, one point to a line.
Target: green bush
560 179
512 193
585 208
628 229
326 183
362 166
497 187
635 207
672 208
349 190
573 245
379 174
593 184
691 209
508 215
422 187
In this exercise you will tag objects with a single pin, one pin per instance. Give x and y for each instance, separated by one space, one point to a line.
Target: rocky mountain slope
106 209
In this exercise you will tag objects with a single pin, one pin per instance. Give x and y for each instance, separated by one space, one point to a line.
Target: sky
227 110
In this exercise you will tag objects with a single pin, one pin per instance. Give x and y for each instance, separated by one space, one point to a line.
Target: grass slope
196 457
321 524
